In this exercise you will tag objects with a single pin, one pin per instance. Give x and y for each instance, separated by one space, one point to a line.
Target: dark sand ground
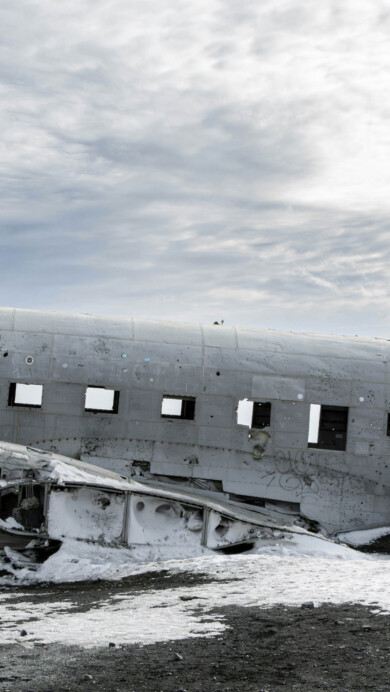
344 648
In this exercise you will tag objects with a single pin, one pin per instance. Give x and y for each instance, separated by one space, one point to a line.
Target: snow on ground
291 570
356 538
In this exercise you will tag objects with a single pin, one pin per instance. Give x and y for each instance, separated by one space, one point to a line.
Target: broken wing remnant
46 498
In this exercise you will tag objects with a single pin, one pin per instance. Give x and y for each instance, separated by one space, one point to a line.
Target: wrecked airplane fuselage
46 499
294 424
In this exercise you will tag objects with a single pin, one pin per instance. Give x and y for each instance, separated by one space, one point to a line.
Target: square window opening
25 395
328 427
254 414
178 407
261 414
101 400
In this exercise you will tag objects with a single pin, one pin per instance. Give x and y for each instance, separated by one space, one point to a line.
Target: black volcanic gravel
343 648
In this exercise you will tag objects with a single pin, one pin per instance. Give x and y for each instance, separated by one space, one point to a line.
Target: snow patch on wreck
46 498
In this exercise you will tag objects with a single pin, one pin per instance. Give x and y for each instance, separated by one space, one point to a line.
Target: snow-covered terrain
292 570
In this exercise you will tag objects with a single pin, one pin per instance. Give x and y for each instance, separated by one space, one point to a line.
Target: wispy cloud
197 162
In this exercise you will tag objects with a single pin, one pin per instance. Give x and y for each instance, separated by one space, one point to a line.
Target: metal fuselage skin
218 366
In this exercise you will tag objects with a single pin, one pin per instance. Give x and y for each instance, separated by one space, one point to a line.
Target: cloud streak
196 163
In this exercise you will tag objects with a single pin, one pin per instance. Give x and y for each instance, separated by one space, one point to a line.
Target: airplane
46 498
293 427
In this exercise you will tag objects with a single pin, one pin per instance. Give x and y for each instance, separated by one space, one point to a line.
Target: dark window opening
254 414
388 424
25 395
178 407
101 400
328 427
261 414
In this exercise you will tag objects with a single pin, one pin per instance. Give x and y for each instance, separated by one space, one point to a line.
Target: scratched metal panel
145 429
293 440
325 509
288 389
172 379
35 426
180 379
209 472
178 431
356 507
63 323
260 340
179 469
68 447
380 510
250 361
229 360
8 415
98 372
101 425
173 454
168 332
290 417
19 371
369 467
308 344
239 462
251 485
126 352
326 367
218 460
241 440
219 381
66 345
125 449
175 431
317 463
285 365
215 411
219 336
144 405
368 396
149 376
25 342
124 468
365 423
7 433
386 396
329 392
363 447
385 440
181 354
63 398
215 437
179 460
90 425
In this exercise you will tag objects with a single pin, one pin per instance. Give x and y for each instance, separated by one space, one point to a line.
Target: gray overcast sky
198 161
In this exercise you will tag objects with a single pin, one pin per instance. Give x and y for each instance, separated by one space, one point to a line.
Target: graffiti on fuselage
304 473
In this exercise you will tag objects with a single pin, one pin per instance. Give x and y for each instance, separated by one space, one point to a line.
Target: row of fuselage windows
327 424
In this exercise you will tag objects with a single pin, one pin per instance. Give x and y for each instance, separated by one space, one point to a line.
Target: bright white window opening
178 407
100 399
28 394
245 412
314 423
171 407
